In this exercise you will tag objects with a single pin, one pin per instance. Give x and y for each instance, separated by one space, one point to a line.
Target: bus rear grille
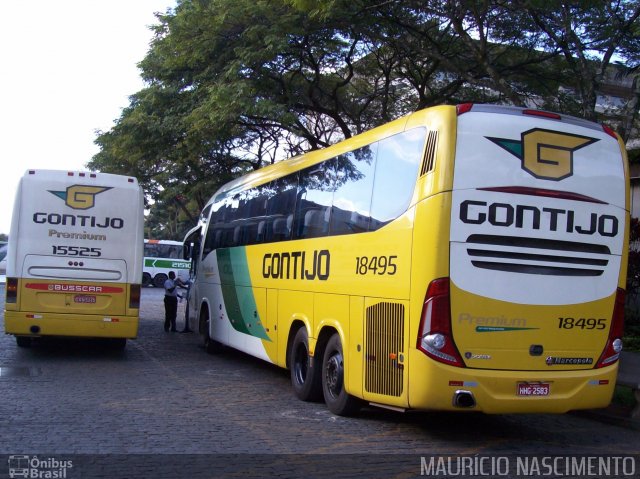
537 256
430 153
384 366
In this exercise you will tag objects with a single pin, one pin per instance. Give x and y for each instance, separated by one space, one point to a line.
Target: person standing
171 301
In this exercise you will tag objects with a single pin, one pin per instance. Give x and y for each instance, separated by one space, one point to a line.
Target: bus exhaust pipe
464 399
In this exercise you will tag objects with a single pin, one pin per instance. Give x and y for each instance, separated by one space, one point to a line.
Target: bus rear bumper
47 324
506 392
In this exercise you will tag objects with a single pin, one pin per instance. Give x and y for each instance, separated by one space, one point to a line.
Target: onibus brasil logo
545 154
22 465
80 197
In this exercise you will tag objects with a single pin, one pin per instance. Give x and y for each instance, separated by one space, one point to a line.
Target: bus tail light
610 131
435 336
134 296
12 290
463 108
613 348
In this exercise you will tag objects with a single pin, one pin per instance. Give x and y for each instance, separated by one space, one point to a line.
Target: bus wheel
210 345
338 400
159 279
146 279
23 341
305 371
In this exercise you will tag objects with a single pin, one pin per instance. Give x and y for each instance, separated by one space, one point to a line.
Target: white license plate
85 299
533 389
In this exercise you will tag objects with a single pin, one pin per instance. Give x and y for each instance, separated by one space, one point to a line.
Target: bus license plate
534 389
84 298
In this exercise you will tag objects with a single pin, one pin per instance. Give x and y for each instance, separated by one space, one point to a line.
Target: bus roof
58 175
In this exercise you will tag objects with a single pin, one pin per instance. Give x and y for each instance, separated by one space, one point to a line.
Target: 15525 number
77 251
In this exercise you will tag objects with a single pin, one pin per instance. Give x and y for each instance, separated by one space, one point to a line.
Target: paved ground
164 408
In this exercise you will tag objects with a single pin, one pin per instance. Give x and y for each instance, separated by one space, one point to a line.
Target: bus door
191 252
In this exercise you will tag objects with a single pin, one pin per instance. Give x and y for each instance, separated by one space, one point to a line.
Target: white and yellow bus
459 258
74 262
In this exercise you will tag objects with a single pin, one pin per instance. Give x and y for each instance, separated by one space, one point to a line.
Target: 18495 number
376 265
582 323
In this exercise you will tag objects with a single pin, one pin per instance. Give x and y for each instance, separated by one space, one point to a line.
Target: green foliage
233 85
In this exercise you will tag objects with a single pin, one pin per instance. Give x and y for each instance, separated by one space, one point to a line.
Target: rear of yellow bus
528 314
75 257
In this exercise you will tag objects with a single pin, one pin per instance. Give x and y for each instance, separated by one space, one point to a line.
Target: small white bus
74 263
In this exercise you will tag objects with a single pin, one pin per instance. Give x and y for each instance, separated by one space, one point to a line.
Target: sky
67 69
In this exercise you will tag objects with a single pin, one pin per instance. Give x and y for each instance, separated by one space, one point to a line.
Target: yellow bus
459 258
75 257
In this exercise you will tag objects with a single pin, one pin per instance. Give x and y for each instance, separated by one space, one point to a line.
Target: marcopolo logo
80 197
545 154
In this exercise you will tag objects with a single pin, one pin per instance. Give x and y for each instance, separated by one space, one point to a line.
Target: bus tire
146 279
23 341
159 279
211 346
338 400
305 370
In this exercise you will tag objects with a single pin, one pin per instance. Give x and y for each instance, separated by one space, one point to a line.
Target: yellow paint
69 313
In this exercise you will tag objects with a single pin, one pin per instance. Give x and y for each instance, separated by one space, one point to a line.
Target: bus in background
459 258
160 257
74 262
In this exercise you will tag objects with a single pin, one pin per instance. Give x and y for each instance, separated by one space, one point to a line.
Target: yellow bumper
47 324
495 392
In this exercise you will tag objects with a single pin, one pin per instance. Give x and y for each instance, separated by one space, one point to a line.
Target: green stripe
494 329
166 263
237 292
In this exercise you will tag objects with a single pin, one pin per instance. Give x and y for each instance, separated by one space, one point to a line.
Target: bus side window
211 240
315 192
280 206
399 158
151 250
353 189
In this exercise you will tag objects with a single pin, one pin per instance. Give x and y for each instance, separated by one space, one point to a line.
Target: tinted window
397 166
355 192
280 207
315 193
204 216
215 227
353 177
256 211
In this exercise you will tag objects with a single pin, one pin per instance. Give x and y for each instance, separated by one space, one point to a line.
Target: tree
588 35
233 85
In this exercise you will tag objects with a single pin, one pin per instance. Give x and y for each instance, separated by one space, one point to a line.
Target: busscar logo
545 154
80 197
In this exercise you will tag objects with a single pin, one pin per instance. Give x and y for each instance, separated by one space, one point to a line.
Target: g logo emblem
80 197
545 154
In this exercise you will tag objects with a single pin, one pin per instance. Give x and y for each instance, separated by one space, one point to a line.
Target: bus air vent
430 153
384 341
537 256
